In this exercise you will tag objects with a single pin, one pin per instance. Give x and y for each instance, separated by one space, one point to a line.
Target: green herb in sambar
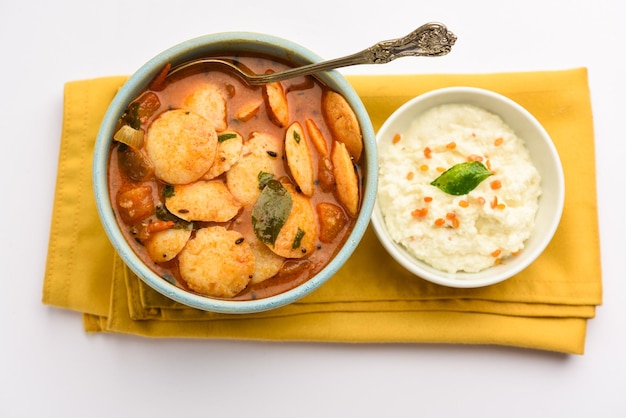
270 212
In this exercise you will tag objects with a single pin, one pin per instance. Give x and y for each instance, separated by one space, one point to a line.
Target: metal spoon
430 40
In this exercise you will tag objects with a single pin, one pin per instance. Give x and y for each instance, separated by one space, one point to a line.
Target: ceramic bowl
232 42
542 153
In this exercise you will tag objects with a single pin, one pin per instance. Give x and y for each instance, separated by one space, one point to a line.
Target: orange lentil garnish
498 141
441 169
496 205
463 203
496 253
481 200
424 167
514 253
428 199
409 175
453 219
396 138
474 157
496 184
451 145
427 152
440 222
488 164
419 213
497 261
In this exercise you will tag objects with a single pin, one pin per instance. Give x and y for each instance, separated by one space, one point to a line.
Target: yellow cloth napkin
372 298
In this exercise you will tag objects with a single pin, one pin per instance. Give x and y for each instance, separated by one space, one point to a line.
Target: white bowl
542 153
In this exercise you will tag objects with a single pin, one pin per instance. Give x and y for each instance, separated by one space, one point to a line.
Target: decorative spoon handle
429 40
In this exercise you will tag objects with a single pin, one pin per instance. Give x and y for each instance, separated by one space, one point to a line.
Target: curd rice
468 232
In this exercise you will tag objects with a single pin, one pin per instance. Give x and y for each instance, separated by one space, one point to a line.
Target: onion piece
130 136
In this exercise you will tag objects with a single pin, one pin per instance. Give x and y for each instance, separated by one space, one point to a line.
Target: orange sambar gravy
304 98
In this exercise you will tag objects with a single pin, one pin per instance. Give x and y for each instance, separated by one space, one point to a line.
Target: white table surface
50 367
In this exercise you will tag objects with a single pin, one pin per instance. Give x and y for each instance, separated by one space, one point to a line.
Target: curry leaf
298 239
131 115
462 178
226 137
263 178
163 214
270 212
168 191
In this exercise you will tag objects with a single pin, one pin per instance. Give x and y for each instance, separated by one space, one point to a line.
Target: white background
50 367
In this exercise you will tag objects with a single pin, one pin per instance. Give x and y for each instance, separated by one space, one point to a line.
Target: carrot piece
451 145
396 138
158 82
316 136
496 253
159 226
463 203
325 174
427 152
440 222
498 141
428 199
135 204
496 184
332 221
149 103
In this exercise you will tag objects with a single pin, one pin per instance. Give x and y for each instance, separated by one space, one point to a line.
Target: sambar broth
304 95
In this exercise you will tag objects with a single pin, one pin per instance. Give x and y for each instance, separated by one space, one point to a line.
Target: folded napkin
372 298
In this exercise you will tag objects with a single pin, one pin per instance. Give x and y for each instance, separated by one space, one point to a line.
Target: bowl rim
463 94
250 42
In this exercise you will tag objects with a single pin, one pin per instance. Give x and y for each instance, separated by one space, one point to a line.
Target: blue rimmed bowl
219 43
